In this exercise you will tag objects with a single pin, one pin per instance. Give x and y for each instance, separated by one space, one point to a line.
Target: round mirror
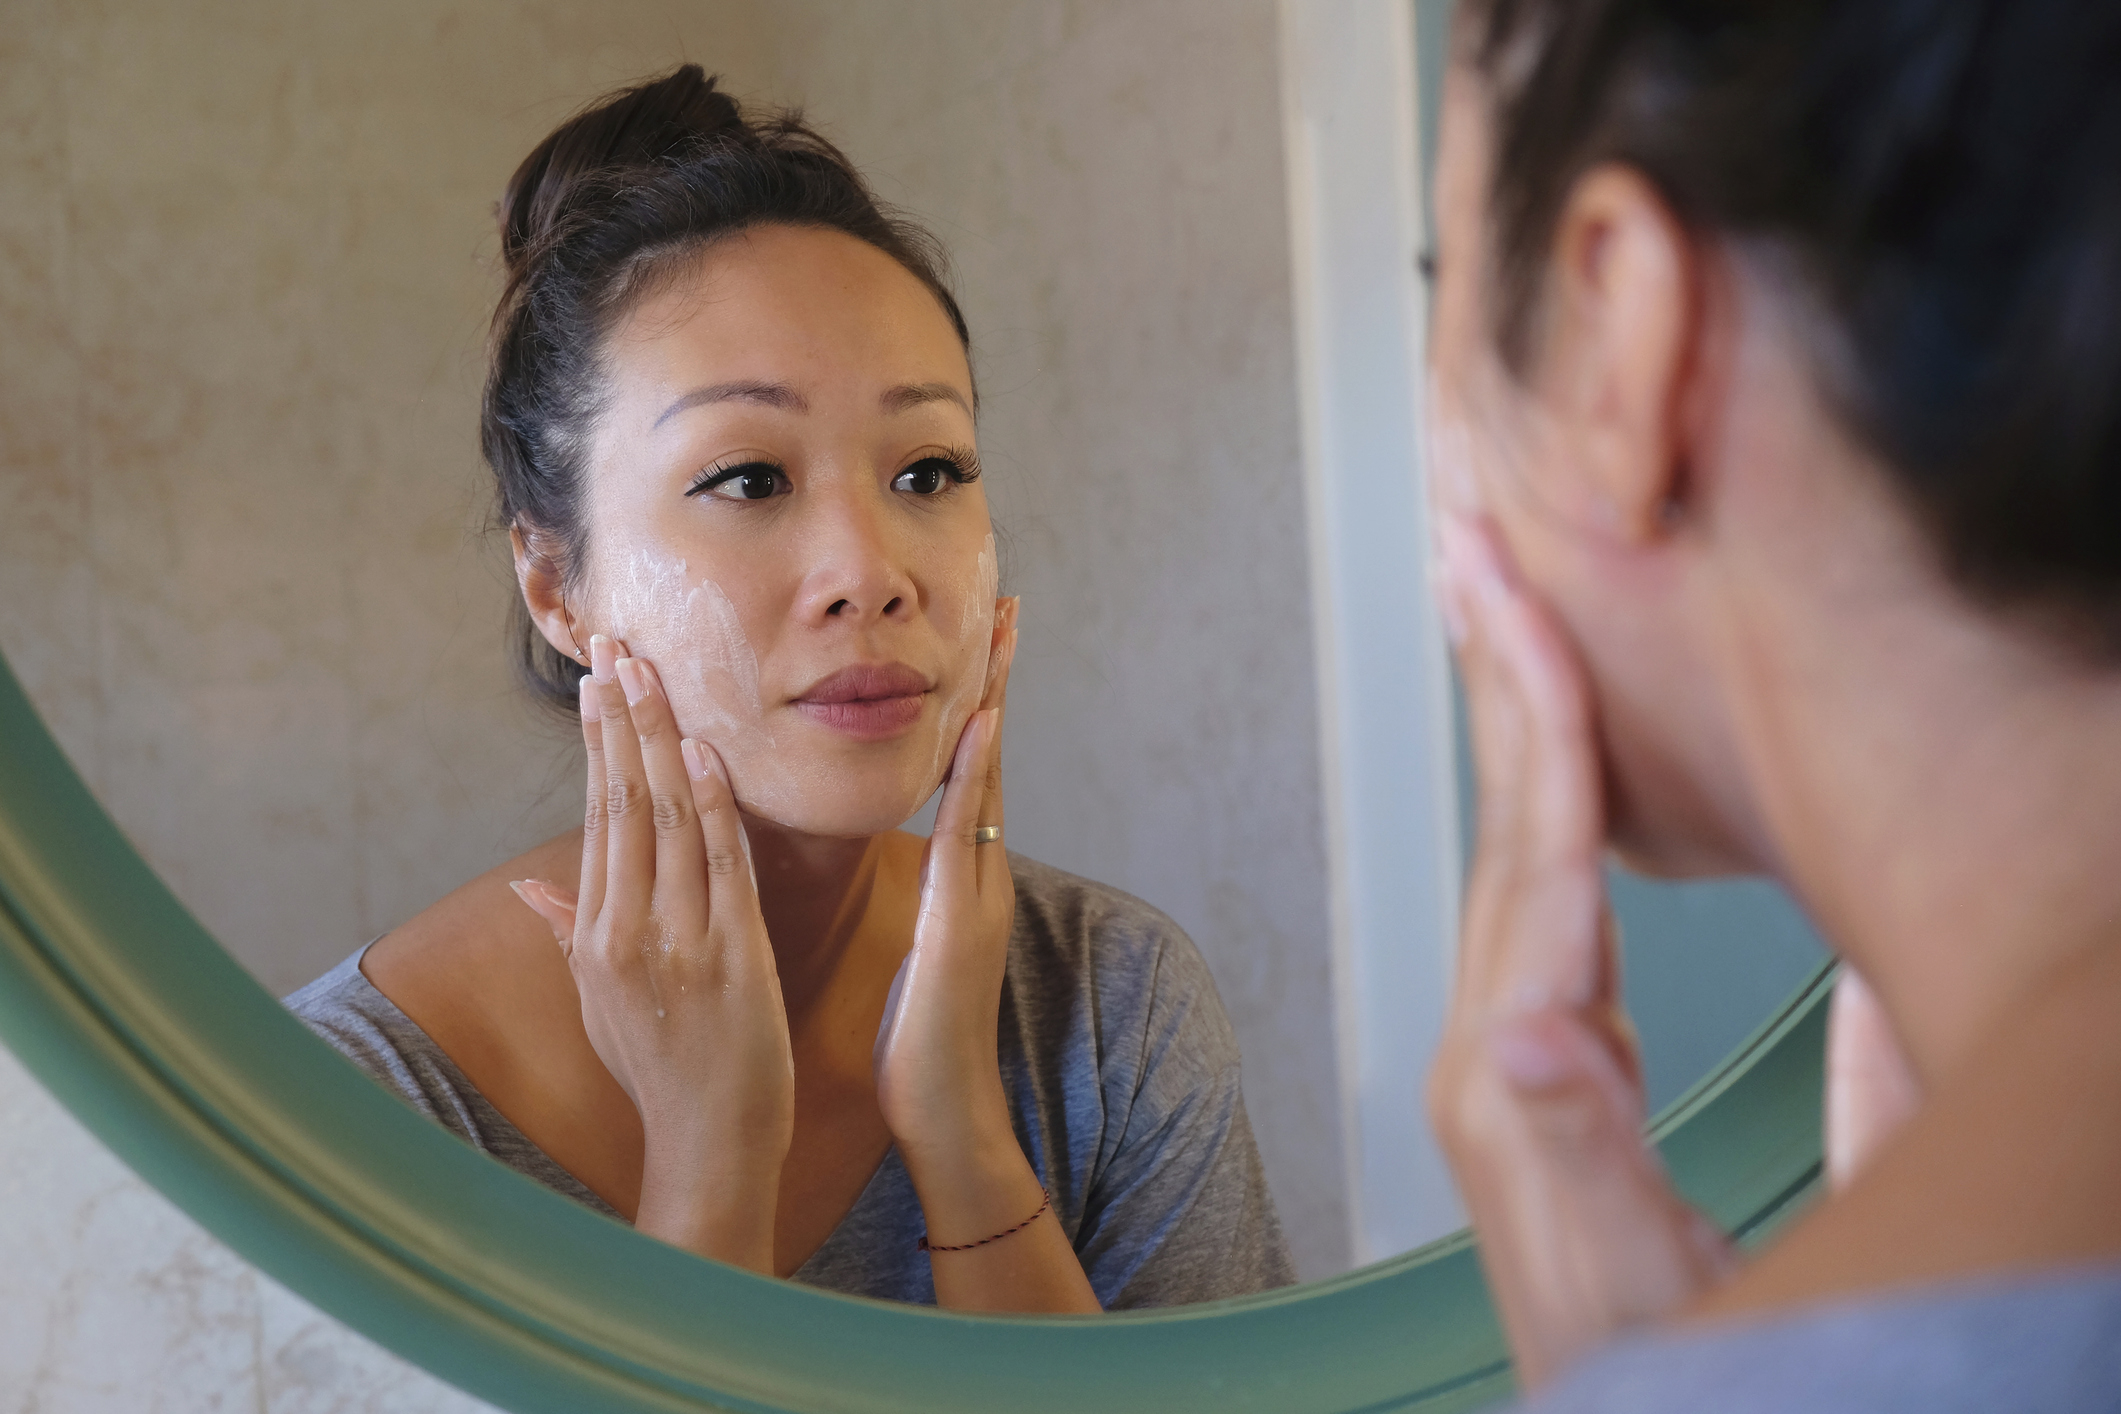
257 304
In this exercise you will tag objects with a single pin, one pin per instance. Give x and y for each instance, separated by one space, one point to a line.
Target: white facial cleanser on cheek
691 631
689 628
972 651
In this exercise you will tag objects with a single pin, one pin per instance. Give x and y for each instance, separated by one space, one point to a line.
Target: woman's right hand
680 994
1536 1092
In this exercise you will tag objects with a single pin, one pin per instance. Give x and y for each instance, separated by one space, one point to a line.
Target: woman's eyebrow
913 395
775 395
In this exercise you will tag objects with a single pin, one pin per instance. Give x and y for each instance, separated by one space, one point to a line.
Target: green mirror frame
159 1041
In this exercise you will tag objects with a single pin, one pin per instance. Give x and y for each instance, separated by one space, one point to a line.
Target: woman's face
1646 614
784 517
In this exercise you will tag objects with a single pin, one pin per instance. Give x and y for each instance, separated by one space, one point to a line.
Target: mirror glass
247 570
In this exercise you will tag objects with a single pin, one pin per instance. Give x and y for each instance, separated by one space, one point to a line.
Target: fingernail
1528 1060
522 893
603 657
695 766
632 679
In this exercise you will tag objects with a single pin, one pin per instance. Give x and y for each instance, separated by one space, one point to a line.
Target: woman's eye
924 477
754 482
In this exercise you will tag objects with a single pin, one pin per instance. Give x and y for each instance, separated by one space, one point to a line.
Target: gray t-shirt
1122 1077
2038 1345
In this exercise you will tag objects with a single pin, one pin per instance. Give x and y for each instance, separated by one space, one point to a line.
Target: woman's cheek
721 670
970 641
690 629
721 705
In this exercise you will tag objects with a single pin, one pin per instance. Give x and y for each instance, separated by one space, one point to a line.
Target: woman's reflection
730 413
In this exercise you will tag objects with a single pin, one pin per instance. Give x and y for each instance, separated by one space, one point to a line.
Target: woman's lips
869 702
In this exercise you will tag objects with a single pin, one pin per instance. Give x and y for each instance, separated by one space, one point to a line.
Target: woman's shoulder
349 1014
477 969
2051 1341
475 1001
1127 1075
346 1011
1088 951
443 995
1067 922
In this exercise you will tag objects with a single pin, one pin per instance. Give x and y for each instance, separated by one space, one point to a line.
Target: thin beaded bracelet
927 1246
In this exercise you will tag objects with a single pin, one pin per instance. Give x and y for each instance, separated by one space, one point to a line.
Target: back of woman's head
1943 177
617 202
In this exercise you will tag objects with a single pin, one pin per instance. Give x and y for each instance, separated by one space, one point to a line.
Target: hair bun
636 127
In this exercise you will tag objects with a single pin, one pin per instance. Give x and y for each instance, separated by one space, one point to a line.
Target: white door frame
1350 113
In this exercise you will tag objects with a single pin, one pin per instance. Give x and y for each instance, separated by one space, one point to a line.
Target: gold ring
987 834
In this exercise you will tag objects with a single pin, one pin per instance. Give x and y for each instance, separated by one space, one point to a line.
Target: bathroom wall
245 264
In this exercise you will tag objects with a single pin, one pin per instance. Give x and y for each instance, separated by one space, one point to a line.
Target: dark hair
608 207
1943 176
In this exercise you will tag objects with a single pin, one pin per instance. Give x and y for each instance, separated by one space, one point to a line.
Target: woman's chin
845 814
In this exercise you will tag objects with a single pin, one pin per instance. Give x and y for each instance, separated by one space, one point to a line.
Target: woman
1778 396
730 414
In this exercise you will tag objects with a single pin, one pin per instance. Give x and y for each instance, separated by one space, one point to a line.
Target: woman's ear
538 576
1621 316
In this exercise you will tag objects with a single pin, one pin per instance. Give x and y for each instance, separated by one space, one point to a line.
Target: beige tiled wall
245 263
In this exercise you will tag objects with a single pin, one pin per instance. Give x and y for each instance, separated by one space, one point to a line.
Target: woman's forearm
982 1191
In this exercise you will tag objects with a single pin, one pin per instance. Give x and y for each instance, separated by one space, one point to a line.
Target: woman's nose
858 574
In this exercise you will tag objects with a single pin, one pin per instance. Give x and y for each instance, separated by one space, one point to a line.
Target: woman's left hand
938 1079
1536 1092
938 1066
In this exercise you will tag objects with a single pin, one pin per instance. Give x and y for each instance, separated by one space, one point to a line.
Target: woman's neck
1945 792
815 892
